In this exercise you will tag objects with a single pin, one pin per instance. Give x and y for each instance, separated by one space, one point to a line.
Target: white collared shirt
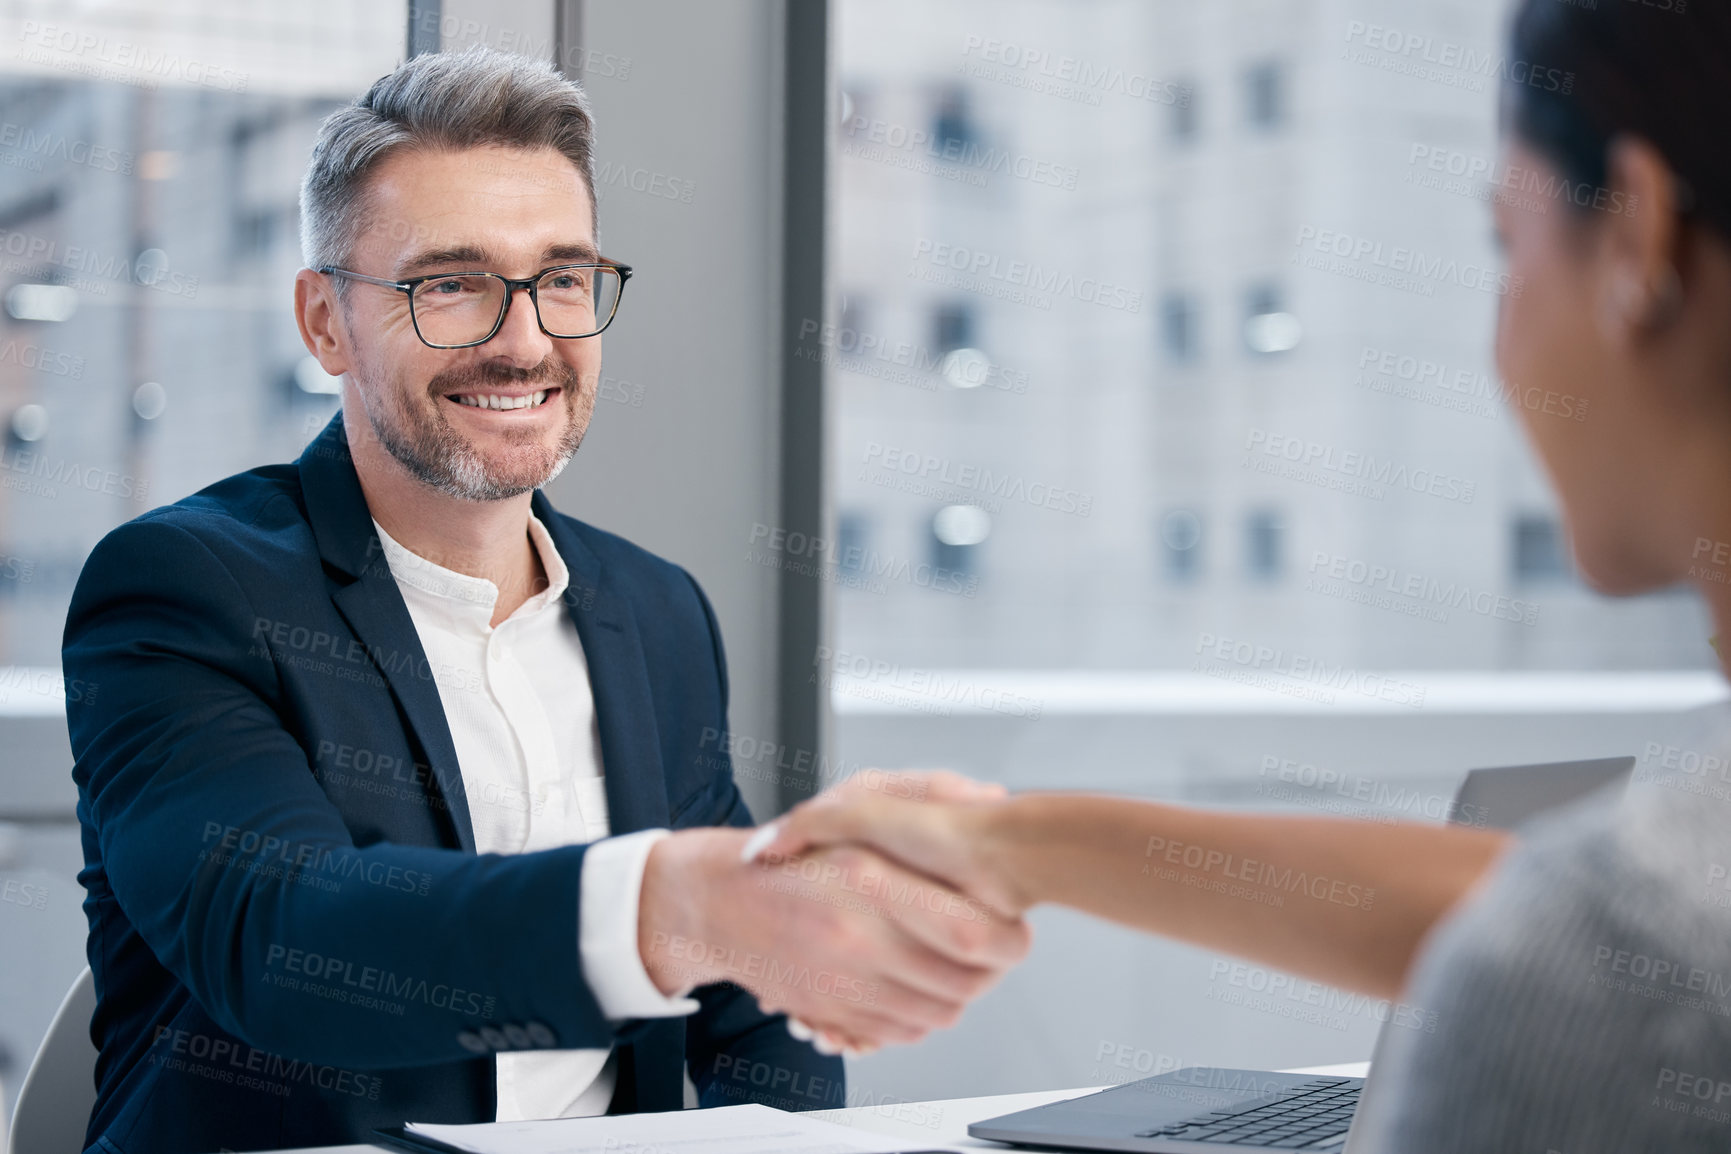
521 712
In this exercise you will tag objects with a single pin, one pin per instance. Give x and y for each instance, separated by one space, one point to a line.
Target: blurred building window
1541 551
957 532
1180 322
952 327
1268 327
1265 95
953 128
1264 540
1183 116
1181 545
853 538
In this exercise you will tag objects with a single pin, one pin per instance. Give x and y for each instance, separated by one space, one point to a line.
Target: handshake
871 914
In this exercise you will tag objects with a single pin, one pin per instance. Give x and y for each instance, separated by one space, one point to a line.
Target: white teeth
493 401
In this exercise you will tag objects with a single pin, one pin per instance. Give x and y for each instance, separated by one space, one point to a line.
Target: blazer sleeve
226 857
733 1050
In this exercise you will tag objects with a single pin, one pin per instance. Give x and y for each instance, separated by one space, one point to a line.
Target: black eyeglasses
458 310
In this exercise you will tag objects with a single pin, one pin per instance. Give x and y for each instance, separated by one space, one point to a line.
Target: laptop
1210 1110
1506 798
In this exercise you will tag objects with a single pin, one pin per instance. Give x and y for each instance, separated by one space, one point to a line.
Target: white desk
940 1123
945 1122
899 1120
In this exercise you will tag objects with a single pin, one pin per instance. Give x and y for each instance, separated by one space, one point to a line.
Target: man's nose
520 338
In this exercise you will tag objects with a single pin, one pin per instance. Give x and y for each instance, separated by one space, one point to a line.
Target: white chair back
54 1104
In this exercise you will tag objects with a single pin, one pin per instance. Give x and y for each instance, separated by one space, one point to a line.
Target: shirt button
472 1042
541 1034
517 1035
495 1038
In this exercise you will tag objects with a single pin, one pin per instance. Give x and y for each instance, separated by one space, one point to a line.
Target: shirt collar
460 590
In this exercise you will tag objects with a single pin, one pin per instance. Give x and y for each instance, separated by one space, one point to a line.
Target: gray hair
443 101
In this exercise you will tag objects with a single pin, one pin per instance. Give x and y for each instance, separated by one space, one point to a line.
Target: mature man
377 776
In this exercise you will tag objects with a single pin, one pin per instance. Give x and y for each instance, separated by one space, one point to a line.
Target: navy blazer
293 938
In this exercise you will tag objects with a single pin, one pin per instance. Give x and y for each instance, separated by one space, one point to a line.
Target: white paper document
751 1129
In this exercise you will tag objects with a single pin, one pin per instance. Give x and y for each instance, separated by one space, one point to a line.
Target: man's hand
859 947
940 823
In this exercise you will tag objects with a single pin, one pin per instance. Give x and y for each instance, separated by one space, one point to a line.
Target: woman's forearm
1342 901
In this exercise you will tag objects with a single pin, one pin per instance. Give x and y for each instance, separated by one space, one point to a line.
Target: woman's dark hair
1657 69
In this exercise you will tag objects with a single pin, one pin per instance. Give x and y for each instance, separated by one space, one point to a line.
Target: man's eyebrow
474 258
575 252
463 254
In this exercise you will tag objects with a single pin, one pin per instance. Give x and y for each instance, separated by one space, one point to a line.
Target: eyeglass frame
408 287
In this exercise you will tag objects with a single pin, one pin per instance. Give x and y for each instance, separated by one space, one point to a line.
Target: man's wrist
674 932
611 892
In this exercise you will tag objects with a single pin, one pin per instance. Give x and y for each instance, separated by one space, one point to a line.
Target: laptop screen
1506 797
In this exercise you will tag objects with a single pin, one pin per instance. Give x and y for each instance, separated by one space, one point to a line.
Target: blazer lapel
618 677
374 608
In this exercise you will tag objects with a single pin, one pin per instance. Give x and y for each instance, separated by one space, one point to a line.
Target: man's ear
320 317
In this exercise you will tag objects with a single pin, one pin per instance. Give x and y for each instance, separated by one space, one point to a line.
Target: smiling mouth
499 403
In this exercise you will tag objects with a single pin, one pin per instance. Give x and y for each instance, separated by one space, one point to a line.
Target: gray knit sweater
1583 999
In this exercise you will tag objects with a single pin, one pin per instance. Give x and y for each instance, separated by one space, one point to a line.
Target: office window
1181 545
1180 322
1218 273
161 190
1183 116
1264 538
1207 585
150 155
1541 551
1265 95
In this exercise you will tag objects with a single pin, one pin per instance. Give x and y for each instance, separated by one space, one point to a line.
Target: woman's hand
939 823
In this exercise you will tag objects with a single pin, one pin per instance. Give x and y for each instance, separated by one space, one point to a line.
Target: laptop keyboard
1314 1116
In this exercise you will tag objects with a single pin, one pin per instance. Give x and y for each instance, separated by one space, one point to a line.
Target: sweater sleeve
1582 1002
